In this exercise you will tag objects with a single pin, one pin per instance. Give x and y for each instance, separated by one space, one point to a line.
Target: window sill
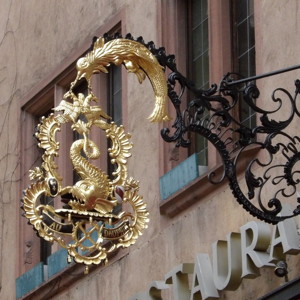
188 195
201 187
69 275
181 176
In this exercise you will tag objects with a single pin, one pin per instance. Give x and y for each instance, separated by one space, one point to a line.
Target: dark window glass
115 95
114 102
198 41
45 247
244 46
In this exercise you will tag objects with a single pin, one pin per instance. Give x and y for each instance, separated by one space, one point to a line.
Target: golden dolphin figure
137 59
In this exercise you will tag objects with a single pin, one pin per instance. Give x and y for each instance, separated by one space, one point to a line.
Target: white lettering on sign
285 238
240 256
178 277
255 240
227 259
203 283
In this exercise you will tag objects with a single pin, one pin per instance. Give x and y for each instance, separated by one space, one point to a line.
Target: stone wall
36 38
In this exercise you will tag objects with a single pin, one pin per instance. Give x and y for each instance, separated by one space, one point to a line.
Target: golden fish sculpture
83 218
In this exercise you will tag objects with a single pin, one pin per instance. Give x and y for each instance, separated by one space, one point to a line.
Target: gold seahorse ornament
84 218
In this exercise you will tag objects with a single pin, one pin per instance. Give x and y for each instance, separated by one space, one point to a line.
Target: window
199 45
243 56
199 60
34 249
45 247
244 50
114 102
40 257
218 38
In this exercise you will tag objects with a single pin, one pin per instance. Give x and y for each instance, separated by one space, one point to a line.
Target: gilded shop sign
100 212
240 256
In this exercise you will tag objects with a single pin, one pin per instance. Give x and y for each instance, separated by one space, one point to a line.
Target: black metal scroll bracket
212 114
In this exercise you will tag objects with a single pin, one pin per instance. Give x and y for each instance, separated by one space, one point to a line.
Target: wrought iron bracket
272 176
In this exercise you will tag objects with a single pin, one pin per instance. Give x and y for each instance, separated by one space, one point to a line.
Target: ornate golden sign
87 225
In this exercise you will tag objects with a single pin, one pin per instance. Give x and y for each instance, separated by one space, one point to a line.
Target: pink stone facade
39 44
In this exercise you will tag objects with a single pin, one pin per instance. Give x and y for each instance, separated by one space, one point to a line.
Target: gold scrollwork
86 225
